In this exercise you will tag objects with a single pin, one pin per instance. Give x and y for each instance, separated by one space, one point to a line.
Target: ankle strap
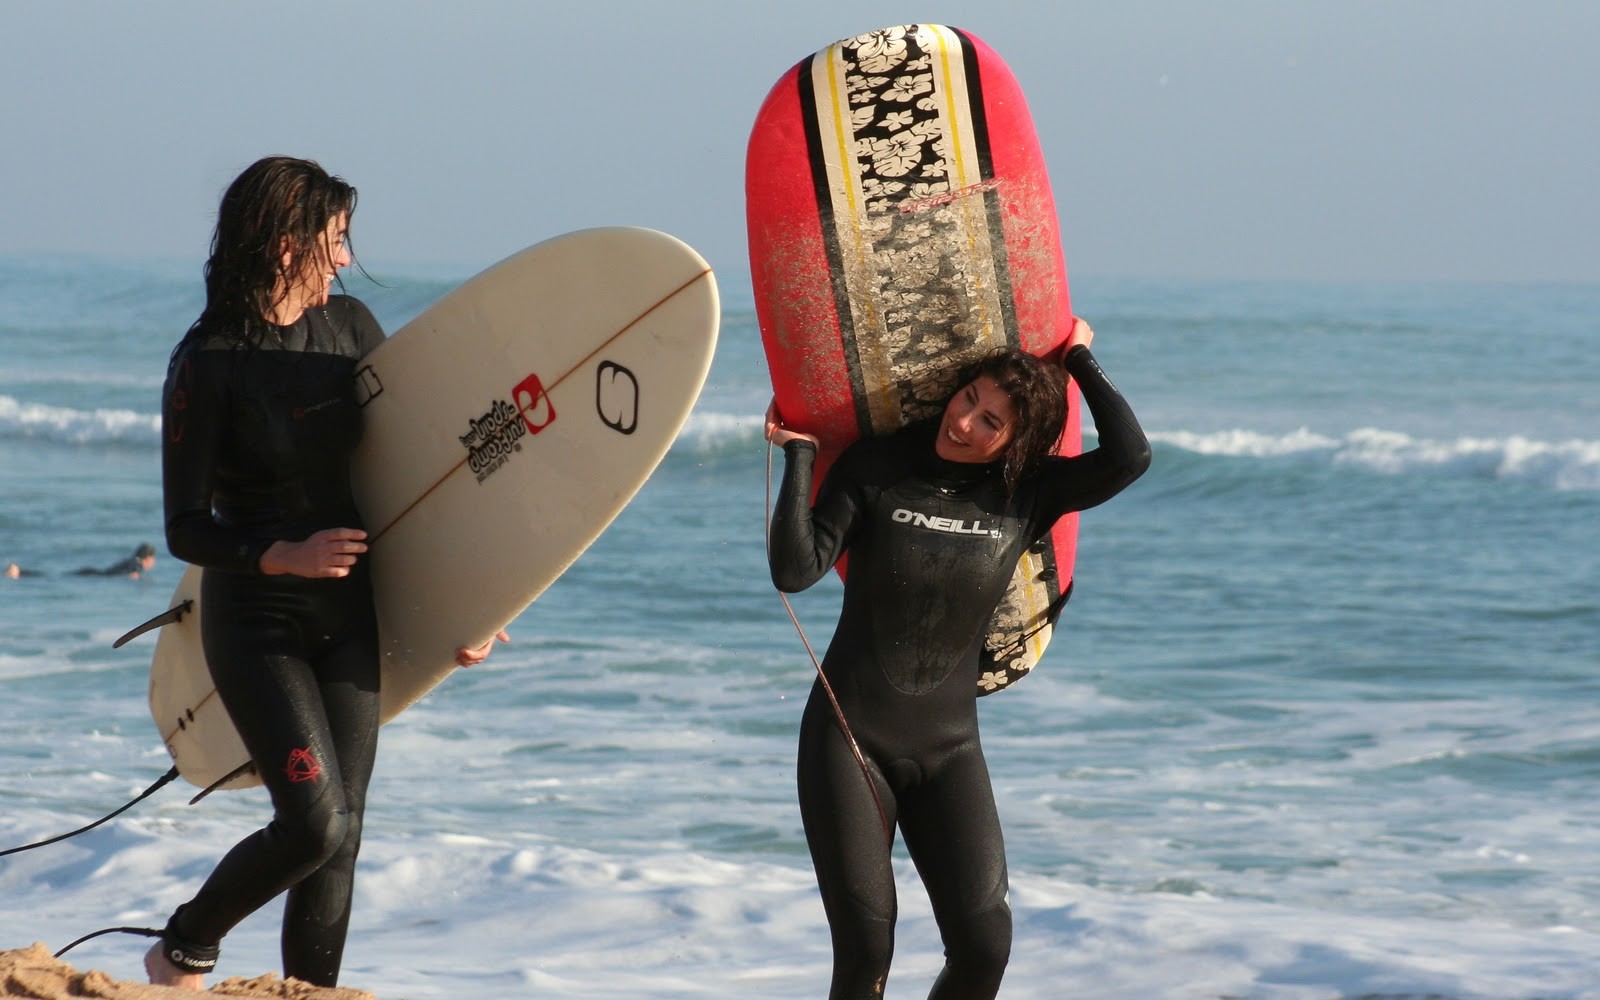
186 955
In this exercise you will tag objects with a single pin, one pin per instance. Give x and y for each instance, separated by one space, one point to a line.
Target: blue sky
1422 140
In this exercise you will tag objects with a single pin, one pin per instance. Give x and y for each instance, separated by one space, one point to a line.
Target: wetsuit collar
945 474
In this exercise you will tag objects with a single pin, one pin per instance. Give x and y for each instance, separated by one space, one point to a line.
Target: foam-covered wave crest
66 425
1566 465
714 433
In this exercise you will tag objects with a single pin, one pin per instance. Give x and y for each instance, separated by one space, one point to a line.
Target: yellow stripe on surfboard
866 271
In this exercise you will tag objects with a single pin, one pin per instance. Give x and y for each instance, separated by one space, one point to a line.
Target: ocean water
1320 722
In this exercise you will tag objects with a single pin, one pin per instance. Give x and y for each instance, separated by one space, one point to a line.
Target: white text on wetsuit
951 525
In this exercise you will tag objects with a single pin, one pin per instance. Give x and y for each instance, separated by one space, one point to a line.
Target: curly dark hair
1038 390
278 203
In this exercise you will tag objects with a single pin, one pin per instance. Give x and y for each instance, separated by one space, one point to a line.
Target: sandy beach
35 973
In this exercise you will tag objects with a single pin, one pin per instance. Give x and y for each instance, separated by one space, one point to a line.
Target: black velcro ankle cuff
188 956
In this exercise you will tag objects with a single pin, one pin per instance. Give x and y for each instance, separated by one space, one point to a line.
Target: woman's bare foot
163 973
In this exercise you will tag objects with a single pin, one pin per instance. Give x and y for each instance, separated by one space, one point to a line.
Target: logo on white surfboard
491 439
616 397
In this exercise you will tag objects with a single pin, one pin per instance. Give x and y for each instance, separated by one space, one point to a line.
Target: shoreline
33 973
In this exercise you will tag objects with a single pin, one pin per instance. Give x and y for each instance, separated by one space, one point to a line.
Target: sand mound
36 974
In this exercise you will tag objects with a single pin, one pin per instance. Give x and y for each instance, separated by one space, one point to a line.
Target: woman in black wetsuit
259 421
934 519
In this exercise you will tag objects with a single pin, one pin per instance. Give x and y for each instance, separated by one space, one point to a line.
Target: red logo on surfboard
533 403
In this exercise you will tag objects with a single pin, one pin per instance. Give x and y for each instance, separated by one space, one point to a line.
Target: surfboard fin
248 765
167 617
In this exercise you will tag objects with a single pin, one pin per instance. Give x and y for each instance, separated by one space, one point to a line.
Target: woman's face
978 423
314 280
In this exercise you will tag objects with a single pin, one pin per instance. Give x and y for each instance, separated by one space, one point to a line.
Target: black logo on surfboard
616 397
494 437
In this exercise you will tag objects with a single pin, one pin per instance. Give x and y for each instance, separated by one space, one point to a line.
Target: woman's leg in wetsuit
850 853
952 831
316 915
311 728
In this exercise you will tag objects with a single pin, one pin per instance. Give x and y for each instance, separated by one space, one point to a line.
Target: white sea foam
713 431
1565 465
66 425
1248 444
438 918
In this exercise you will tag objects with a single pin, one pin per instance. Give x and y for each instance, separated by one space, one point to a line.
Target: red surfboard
901 225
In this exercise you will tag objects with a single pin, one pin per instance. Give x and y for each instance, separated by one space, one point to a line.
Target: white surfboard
504 429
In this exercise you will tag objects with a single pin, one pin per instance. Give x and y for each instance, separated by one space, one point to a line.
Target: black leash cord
164 779
838 713
141 931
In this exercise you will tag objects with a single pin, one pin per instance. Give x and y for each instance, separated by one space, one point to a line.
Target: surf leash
838 712
164 779
141 931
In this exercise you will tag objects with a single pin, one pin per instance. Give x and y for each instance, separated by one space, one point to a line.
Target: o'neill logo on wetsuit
949 525
493 438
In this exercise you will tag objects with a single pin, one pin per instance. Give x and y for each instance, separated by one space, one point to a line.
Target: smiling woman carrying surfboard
899 229
258 425
900 225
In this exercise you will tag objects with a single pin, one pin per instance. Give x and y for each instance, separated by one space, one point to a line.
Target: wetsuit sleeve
806 541
194 411
1084 481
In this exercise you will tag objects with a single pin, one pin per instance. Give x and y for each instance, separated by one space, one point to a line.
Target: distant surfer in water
142 561
259 421
933 518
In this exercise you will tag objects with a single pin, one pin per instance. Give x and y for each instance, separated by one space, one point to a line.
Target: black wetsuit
130 566
932 547
256 449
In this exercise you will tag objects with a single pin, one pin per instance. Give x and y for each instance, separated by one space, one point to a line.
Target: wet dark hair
1038 392
277 203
